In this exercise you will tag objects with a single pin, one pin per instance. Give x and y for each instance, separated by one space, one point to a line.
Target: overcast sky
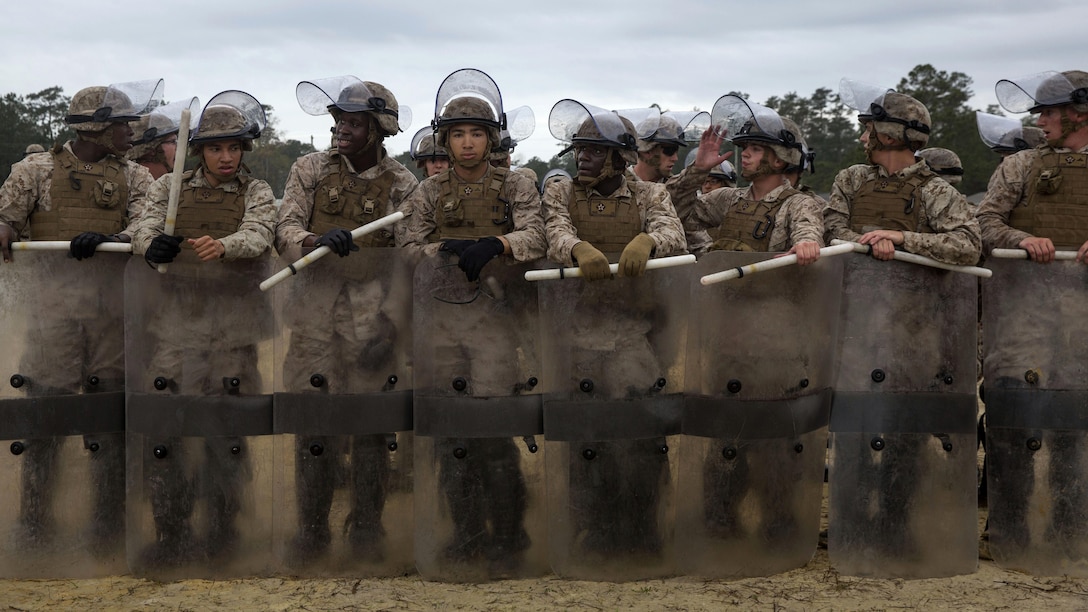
680 54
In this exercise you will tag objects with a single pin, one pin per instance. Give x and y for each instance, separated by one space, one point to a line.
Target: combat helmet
1033 93
348 94
230 115
676 128
893 114
945 163
152 129
748 122
469 96
93 109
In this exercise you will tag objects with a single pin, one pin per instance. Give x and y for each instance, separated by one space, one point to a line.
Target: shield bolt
93 447
392 446
804 383
878 375
1032 377
798 448
17 380
733 386
316 449
161 452
459 452
92 380
660 384
160 383
234 450
729 453
460 384
1034 444
17 448
532 382
317 380
392 380
589 454
947 446
948 380
877 444
586 385
664 448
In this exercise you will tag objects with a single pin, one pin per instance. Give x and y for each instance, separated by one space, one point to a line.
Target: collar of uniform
621 193
382 156
918 166
480 181
199 180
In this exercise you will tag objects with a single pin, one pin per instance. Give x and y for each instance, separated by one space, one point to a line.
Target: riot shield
902 475
343 417
62 416
613 382
1036 378
760 359
479 485
199 349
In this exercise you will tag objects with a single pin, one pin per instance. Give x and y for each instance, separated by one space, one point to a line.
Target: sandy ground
814 587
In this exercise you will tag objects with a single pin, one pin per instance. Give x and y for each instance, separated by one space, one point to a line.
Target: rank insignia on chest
88 167
206 194
468 190
745 205
607 207
351 184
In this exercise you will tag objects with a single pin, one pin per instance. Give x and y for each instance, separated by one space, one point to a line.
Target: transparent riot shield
613 383
760 357
62 416
199 356
902 479
343 417
1036 378
479 484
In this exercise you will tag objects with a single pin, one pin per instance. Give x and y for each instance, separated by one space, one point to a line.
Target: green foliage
271 158
954 124
541 167
36 118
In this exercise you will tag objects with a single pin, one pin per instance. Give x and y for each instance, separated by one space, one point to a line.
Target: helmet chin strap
607 171
1068 127
103 138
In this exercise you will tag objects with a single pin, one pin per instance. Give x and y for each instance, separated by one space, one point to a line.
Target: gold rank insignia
88 167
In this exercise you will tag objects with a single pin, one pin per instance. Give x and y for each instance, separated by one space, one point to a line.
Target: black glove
457 247
339 240
83 246
163 249
475 257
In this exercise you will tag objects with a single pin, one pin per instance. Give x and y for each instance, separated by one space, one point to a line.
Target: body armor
748 224
1057 202
86 197
607 223
207 211
892 203
343 200
472 210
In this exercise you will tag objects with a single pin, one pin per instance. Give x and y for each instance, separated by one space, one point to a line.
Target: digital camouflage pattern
798 219
27 191
527 241
1009 187
655 209
306 173
254 235
956 239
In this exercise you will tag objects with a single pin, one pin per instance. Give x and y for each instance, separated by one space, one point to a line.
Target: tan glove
635 255
592 263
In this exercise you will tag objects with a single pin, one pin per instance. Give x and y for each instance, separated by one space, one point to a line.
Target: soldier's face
434 165
169 149
711 183
591 159
121 137
352 133
467 143
669 155
750 156
222 159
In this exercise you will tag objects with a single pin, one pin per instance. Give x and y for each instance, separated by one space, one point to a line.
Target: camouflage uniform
70 349
338 334
254 235
298 196
1009 187
26 191
798 219
954 236
526 240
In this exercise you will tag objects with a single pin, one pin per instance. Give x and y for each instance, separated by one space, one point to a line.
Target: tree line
829 127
